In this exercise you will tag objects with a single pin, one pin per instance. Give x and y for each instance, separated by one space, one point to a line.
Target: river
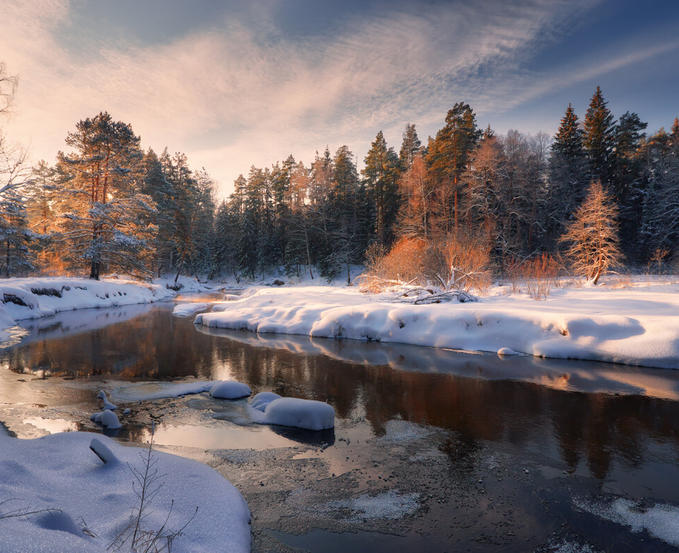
433 450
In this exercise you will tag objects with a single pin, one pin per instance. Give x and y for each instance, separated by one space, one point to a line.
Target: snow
107 418
59 476
661 521
638 325
189 309
307 414
229 389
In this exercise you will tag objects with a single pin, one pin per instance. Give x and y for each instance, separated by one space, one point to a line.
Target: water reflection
555 407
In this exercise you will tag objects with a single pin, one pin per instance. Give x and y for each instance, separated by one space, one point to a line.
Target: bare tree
593 235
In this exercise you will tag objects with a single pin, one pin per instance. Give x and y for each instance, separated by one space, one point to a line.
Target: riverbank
637 324
34 298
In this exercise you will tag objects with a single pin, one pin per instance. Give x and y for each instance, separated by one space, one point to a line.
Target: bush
448 264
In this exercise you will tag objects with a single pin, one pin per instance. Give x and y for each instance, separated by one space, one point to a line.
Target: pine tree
380 175
109 222
448 155
15 236
410 147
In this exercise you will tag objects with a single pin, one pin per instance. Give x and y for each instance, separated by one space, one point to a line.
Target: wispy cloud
237 94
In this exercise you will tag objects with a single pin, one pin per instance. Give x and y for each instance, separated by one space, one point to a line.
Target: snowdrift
635 326
73 490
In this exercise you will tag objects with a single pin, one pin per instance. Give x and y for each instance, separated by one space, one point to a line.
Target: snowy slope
59 476
637 325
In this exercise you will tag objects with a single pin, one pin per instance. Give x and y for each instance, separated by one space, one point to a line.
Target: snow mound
300 413
229 389
188 309
507 351
262 399
107 418
85 503
661 521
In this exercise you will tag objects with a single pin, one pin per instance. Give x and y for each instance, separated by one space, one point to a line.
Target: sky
235 84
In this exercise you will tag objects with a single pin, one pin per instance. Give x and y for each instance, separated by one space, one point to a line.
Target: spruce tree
599 139
568 177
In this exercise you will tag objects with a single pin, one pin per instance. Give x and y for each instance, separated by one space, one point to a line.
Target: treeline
518 193
108 206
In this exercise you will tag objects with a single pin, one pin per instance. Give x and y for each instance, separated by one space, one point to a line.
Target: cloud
238 94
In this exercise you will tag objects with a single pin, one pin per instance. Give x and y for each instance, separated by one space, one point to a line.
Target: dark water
547 433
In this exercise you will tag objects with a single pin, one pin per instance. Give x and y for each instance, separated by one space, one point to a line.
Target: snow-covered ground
637 324
80 504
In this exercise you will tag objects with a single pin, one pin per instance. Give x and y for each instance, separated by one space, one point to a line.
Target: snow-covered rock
107 418
229 389
262 399
147 391
635 326
85 503
299 413
107 404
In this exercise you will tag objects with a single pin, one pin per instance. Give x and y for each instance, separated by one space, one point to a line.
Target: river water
433 450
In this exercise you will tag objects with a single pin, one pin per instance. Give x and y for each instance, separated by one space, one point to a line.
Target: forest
108 206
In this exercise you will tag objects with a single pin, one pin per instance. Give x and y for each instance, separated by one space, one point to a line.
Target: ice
388 505
661 521
300 413
147 391
229 389
188 309
84 503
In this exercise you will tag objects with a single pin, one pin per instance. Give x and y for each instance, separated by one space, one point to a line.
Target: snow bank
635 326
307 414
189 309
229 389
32 298
59 476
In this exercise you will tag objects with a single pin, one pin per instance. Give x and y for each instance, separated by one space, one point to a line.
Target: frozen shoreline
636 325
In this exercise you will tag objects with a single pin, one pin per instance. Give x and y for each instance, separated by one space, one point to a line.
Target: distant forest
107 206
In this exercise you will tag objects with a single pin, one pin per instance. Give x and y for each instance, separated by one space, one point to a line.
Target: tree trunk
94 270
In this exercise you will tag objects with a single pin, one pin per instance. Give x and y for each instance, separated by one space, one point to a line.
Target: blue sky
240 83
